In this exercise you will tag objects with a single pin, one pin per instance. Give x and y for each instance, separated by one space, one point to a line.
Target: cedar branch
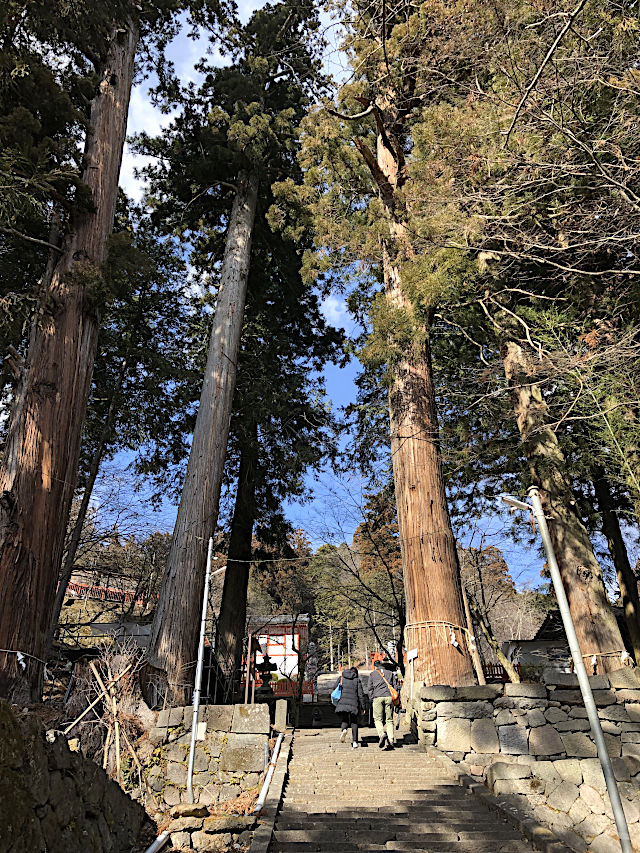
543 65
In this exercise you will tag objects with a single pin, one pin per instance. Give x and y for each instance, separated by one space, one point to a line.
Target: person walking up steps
350 704
380 695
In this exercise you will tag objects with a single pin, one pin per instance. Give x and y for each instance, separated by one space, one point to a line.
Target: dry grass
242 805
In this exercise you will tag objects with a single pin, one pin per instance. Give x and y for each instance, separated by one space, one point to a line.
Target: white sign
412 654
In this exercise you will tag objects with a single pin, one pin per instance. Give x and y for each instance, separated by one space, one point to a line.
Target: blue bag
337 693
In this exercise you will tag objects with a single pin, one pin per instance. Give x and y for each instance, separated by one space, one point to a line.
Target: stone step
428 847
305 848
395 790
339 800
328 844
453 792
371 777
421 814
327 834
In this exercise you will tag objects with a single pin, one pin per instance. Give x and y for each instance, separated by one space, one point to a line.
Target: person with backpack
350 704
383 690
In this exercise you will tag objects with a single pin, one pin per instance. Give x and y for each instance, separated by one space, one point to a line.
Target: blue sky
143 116
334 511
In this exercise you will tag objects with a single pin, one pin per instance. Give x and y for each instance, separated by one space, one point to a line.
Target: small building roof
553 629
280 619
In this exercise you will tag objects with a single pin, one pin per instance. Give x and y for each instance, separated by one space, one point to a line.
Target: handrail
160 841
267 781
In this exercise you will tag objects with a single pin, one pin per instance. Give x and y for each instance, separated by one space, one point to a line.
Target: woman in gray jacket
380 697
350 704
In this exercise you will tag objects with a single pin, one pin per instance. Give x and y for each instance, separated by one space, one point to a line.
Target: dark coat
377 686
352 696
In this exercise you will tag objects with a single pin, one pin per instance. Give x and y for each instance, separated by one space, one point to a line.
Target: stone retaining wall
55 800
532 743
228 762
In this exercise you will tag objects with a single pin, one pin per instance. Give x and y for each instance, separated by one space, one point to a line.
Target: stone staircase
344 800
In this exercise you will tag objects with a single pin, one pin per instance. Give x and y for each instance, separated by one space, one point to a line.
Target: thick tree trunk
596 626
429 555
627 580
233 607
175 626
630 463
430 565
37 478
74 539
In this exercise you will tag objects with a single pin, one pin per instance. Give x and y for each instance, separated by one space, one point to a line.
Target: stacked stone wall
532 744
55 800
229 762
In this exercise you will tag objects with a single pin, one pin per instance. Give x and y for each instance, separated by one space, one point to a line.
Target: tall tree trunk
429 556
596 626
627 580
74 539
174 634
39 470
233 607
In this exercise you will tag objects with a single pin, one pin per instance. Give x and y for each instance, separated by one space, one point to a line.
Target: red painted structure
103 593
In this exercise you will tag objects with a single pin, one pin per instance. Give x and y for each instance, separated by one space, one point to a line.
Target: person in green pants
380 697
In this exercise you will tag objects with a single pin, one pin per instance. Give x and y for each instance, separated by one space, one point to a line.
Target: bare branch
543 65
44 243
355 117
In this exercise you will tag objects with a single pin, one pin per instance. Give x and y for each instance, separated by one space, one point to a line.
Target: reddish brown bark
429 557
39 468
76 532
596 626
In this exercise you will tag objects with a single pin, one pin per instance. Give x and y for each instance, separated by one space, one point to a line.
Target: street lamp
583 680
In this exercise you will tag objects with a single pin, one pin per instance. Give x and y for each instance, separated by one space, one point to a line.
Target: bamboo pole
107 744
116 724
114 711
94 703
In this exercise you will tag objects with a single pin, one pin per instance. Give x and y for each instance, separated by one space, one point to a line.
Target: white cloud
143 116
334 310
246 8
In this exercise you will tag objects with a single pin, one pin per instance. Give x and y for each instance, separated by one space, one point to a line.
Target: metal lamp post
583 680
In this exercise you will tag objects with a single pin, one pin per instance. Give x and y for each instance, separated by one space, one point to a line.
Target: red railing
495 672
289 688
103 593
284 689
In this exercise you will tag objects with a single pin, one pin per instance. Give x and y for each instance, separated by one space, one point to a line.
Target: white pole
160 841
331 643
412 678
198 682
267 781
581 672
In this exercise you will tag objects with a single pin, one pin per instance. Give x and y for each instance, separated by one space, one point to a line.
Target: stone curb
540 836
262 835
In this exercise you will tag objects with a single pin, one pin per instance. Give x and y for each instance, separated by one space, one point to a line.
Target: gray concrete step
341 800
